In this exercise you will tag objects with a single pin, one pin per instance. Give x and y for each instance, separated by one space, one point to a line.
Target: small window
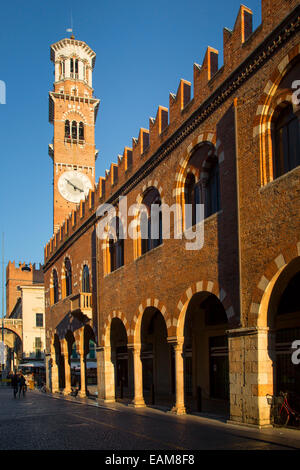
55 286
116 246
39 320
85 279
151 222
68 277
74 130
38 347
286 142
192 191
72 65
67 130
81 131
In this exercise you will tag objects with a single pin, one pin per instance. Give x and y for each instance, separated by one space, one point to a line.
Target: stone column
177 344
251 359
106 375
138 400
67 389
54 374
48 372
82 391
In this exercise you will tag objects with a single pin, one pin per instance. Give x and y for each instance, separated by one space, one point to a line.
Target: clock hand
75 187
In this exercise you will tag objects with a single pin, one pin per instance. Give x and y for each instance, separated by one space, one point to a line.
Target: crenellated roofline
212 88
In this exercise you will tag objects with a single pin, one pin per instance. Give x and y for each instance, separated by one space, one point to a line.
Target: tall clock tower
72 111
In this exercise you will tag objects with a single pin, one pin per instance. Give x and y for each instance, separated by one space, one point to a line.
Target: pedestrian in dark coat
14 384
22 384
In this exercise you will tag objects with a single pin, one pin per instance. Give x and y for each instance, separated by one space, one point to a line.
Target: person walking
22 384
14 383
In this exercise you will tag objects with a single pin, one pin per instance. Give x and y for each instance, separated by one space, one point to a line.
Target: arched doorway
205 351
156 356
284 327
123 374
89 362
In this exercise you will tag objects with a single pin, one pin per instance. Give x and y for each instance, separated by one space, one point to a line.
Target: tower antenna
70 30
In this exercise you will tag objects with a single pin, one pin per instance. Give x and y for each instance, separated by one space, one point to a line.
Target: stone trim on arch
135 330
107 325
268 102
272 271
204 137
85 263
151 184
74 111
200 286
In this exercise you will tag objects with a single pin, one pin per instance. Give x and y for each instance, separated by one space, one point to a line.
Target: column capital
247 331
175 340
134 347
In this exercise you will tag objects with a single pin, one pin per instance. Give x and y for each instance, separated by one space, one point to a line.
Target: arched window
74 130
72 65
76 66
85 279
67 130
286 142
151 221
212 191
81 131
55 286
202 184
116 245
68 277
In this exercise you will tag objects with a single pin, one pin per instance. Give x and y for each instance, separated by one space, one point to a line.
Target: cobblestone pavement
43 422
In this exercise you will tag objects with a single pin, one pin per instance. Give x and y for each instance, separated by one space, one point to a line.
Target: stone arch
269 103
180 176
135 331
211 287
74 111
262 291
105 337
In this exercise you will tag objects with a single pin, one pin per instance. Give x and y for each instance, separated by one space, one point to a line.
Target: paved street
41 422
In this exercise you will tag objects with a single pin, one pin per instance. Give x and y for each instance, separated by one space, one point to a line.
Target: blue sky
143 50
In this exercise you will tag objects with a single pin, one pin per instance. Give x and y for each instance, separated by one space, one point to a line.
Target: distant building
24 322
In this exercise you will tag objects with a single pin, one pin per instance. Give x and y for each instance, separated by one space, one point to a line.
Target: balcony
82 304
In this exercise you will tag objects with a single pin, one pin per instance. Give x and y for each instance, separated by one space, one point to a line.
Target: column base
109 400
138 403
178 410
82 394
66 391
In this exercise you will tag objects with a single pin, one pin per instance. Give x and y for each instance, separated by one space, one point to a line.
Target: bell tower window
71 66
81 131
67 130
74 130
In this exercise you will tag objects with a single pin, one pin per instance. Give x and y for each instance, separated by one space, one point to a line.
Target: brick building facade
172 324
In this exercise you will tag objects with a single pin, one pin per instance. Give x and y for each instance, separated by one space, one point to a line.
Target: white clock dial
74 186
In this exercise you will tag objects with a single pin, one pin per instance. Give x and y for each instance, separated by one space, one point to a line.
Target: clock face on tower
74 186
